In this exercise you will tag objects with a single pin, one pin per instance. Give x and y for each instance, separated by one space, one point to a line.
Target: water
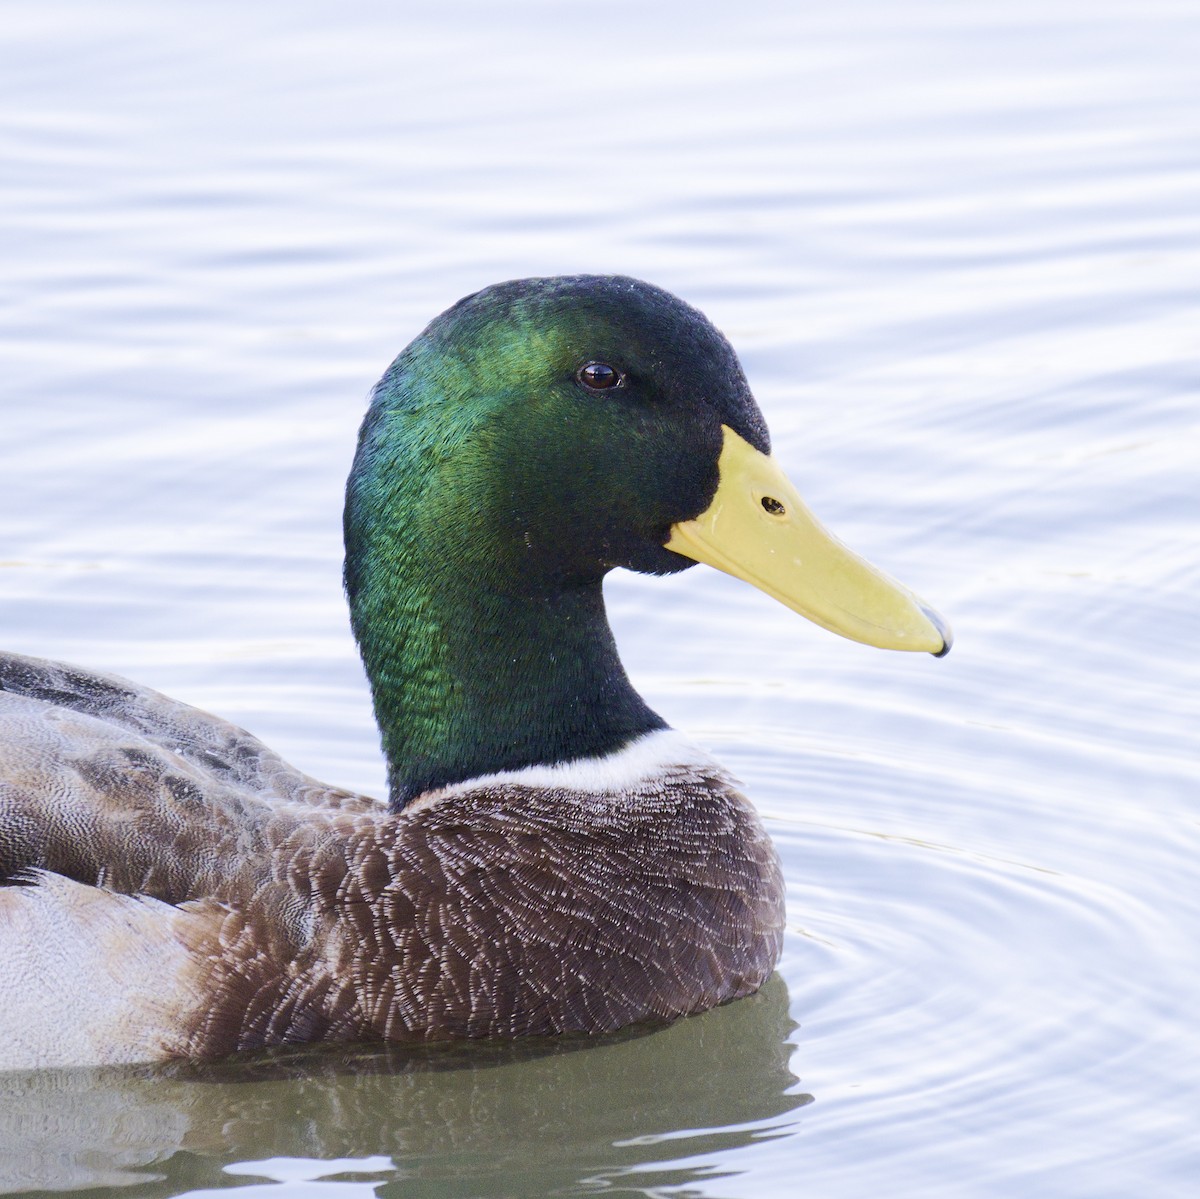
958 249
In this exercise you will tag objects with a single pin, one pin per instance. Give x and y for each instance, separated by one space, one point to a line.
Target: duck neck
470 680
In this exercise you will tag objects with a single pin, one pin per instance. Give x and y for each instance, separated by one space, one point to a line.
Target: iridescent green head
555 428
534 436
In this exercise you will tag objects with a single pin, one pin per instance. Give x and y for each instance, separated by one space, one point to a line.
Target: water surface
958 249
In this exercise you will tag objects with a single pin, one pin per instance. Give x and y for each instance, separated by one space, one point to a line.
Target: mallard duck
552 858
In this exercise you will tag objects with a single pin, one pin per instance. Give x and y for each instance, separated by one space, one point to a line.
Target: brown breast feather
506 911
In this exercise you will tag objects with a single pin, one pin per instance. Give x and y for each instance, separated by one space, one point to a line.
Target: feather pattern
281 911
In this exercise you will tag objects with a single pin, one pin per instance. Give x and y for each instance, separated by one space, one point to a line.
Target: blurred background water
958 249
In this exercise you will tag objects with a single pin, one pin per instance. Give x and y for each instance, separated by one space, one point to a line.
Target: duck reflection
515 1117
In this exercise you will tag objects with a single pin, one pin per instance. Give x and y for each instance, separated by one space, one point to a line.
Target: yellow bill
759 529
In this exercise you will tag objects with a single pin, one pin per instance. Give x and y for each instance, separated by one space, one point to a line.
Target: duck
552 858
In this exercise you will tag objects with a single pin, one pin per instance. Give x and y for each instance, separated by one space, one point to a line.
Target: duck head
533 437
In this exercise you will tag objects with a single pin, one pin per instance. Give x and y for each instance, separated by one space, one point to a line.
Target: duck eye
599 375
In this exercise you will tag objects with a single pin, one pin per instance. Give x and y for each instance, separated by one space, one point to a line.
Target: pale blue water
958 248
